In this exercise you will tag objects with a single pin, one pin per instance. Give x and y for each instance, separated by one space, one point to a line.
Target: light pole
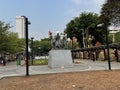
72 51
107 45
83 38
26 43
32 49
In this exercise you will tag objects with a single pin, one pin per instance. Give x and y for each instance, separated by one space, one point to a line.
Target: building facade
20 26
112 31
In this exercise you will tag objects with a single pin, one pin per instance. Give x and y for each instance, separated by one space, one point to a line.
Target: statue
58 40
64 40
90 40
59 44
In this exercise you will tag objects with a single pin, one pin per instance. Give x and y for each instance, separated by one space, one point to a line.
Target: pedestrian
116 55
93 56
3 61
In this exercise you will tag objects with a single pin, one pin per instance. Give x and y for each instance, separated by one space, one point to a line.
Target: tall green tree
4 45
110 12
16 45
83 26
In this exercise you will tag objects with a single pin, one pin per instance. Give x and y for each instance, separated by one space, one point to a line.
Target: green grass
39 62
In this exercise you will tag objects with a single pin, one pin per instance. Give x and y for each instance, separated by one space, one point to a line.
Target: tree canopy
16 45
41 46
9 41
110 12
117 37
3 36
83 26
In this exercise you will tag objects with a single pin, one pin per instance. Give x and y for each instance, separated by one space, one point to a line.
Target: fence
97 53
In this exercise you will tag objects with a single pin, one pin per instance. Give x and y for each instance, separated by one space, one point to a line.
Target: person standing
116 55
3 60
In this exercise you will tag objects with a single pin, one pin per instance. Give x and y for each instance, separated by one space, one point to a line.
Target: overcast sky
46 15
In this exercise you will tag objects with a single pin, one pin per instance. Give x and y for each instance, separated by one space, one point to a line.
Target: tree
4 46
117 37
110 12
16 45
41 47
110 38
12 42
83 26
36 47
45 46
72 30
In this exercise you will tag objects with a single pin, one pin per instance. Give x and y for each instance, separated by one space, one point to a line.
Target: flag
49 33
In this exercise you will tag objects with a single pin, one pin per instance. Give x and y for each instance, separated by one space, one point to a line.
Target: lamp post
107 45
26 43
32 49
72 50
83 38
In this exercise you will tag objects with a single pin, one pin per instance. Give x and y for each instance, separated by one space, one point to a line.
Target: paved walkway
11 69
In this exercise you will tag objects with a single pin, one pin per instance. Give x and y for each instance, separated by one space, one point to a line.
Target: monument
59 56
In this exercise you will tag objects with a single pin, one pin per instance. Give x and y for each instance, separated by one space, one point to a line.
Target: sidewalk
83 65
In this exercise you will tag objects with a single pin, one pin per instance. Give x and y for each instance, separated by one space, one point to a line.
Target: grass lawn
39 62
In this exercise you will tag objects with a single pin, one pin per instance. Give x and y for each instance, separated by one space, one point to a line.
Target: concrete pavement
11 69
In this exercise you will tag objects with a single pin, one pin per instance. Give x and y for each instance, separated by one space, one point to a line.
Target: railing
93 53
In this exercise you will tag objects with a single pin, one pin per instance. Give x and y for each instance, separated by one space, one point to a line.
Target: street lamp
107 45
26 42
32 49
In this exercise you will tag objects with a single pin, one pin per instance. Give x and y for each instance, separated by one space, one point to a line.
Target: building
20 26
113 31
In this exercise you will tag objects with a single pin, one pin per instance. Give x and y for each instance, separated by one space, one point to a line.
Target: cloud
74 12
85 6
97 5
98 2
88 5
77 1
95 2
80 6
